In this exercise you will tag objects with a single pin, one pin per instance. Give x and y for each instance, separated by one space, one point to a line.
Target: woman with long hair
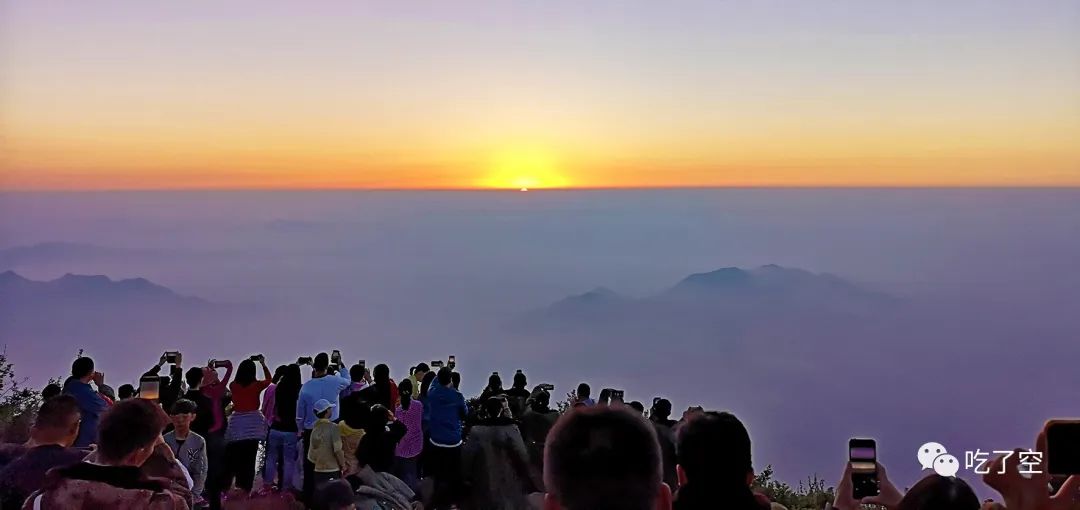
382 391
281 446
247 425
410 413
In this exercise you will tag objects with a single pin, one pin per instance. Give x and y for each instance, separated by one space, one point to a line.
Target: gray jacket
495 466
193 456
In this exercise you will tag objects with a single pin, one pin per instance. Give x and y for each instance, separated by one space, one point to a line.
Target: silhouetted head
495 407
278 373
425 383
82 368
540 400
520 381
936 492
125 391
51 390
603 458
356 373
57 421
583 391
455 380
661 409
128 432
494 382
335 495
445 376
320 363
605 396
381 374
637 406
420 371
714 451
405 393
194 377
245 373
376 418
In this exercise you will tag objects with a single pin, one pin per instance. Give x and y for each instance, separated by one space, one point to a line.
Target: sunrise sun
524 169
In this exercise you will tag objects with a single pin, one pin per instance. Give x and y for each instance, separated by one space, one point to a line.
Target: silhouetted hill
725 297
89 290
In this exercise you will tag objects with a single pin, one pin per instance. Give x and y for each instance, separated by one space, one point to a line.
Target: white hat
322 405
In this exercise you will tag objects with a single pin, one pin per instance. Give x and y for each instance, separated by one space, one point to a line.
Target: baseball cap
322 405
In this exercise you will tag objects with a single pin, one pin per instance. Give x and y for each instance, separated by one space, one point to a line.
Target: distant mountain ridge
89 289
730 293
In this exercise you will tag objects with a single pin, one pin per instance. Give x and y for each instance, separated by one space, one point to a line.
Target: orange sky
441 98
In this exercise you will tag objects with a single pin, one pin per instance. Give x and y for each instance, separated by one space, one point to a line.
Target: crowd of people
352 437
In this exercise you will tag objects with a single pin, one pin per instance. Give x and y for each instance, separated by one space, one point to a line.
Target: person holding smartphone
91 402
247 425
214 389
170 386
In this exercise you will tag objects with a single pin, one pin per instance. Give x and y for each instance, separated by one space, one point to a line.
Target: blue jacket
328 387
91 405
443 412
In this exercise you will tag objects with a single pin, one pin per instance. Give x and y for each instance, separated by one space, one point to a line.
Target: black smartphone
546 386
257 358
862 454
335 357
436 364
1063 447
149 386
171 357
451 361
306 360
617 395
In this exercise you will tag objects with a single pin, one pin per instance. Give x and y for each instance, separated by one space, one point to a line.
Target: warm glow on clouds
431 96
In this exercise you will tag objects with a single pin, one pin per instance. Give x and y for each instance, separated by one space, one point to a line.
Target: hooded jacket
90 486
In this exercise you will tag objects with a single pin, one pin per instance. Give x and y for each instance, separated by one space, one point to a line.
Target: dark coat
495 466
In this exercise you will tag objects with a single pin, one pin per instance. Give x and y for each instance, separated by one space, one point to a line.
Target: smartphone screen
335 357
862 453
148 388
1063 447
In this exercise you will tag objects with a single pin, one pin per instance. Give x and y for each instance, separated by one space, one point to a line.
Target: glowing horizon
495 96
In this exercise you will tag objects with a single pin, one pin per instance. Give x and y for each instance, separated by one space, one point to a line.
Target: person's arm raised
267 375
228 373
1023 493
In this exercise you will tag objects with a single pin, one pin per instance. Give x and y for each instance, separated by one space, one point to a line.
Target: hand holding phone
335 357
1062 447
149 387
862 455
